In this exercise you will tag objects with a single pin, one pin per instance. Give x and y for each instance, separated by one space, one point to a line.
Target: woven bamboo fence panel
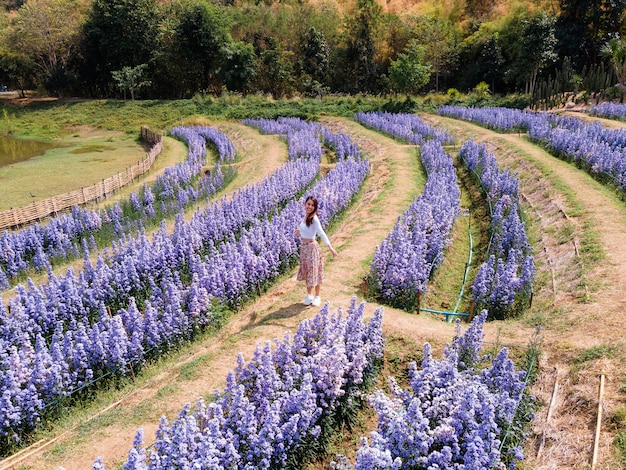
50 206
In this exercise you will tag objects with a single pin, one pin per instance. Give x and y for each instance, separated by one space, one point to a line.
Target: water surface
17 150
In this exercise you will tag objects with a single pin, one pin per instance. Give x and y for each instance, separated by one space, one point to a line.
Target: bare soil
576 316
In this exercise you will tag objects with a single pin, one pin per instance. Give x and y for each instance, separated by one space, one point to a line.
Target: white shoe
316 301
307 300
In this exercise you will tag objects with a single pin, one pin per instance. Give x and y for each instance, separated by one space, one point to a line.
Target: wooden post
471 312
419 300
596 442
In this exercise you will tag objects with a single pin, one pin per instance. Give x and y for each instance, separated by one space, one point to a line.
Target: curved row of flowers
409 255
496 118
149 294
503 285
458 413
406 259
275 409
409 128
609 110
597 149
62 238
297 132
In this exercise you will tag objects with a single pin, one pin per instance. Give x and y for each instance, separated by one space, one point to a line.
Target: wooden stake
419 300
596 443
555 392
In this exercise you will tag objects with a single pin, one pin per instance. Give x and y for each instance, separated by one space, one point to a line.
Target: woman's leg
317 290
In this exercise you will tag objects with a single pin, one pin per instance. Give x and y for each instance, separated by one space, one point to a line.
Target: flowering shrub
454 415
275 407
503 284
68 236
408 256
406 127
148 294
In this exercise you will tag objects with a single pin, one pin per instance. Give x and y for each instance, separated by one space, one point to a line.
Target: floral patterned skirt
311 266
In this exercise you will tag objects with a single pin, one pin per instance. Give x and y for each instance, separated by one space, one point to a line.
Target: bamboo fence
51 206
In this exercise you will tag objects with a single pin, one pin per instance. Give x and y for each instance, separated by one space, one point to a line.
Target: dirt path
569 325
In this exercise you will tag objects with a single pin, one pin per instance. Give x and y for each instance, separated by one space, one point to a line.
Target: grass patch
590 246
47 175
399 352
167 390
144 412
192 369
51 119
618 420
91 149
448 286
566 233
597 352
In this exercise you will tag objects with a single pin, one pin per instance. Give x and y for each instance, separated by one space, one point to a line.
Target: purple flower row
304 137
225 149
503 284
609 110
38 246
409 255
496 118
598 150
148 294
455 413
277 404
409 128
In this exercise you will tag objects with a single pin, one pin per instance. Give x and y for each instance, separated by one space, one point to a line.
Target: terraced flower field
578 228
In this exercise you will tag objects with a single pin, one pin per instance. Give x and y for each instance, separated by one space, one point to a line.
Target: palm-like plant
615 50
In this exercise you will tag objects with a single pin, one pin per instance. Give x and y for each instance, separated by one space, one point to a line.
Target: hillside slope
561 203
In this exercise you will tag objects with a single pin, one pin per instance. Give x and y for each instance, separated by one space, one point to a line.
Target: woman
311 266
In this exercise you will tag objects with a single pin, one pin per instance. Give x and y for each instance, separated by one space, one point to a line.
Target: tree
16 71
238 66
315 55
130 79
539 46
583 26
47 32
117 33
441 45
314 62
407 73
201 34
361 47
533 52
276 71
492 59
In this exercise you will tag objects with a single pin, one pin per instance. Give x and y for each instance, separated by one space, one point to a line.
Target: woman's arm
320 231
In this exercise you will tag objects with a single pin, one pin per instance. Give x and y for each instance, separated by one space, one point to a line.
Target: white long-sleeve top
314 229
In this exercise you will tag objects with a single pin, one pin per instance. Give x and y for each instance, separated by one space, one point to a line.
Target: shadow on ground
274 318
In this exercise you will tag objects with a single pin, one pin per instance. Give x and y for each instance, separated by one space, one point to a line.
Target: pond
17 150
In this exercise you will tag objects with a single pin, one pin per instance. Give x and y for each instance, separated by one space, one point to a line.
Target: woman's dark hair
309 217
